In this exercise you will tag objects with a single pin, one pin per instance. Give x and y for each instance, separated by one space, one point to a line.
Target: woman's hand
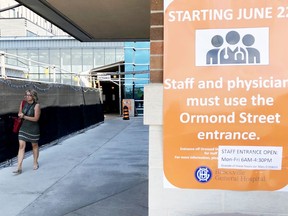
20 115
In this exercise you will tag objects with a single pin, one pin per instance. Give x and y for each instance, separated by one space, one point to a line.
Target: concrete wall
165 201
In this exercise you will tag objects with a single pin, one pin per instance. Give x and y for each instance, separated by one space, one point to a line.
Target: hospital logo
220 47
203 174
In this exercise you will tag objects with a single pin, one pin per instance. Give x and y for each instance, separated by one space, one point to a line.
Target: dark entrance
110 97
111 85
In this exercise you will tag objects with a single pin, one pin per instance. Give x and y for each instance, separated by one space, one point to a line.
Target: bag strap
28 108
23 103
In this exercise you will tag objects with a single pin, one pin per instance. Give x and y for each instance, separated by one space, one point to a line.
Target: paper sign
226 94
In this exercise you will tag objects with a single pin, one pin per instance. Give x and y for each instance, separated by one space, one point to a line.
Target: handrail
55 74
23 71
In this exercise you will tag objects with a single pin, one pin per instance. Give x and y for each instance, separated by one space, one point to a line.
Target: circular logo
203 174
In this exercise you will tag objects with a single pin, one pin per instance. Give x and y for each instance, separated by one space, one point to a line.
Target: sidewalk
100 172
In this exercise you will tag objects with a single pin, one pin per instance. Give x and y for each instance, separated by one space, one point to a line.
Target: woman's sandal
36 166
19 171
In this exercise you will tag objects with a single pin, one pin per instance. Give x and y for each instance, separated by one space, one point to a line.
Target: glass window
129 59
129 55
128 81
55 60
119 54
87 59
66 66
99 57
23 53
109 56
66 59
55 57
76 60
44 56
43 68
12 60
142 56
137 58
33 65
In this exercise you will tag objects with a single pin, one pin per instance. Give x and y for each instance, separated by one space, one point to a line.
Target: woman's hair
33 93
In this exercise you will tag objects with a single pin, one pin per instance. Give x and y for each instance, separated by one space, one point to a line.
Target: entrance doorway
110 96
110 80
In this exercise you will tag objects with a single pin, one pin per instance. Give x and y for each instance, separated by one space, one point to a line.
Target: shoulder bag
18 121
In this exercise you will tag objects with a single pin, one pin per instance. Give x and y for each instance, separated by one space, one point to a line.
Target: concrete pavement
102 171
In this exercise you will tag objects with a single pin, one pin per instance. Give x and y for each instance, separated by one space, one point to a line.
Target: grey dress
29 130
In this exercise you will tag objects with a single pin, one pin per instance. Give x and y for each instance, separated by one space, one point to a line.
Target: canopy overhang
97 20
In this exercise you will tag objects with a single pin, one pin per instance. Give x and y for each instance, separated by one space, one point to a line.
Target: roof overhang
97 20
111 69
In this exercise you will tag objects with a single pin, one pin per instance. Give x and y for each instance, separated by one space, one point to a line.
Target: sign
104 77
226 94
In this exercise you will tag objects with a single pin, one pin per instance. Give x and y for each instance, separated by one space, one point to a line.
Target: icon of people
253 54
212 55
234 52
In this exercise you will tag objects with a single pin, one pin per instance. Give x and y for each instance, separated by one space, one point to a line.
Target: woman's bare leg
21 153
35 155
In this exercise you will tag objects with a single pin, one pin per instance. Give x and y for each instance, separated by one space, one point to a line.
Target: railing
17 67
22 68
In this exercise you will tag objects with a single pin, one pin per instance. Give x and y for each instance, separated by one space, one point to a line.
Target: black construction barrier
64 110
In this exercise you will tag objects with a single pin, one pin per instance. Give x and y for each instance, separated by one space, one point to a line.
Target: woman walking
29 130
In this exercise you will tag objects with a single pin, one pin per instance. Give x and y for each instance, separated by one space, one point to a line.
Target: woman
29 131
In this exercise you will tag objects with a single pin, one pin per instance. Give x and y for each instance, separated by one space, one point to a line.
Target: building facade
17 20
137 66
38 50
68 57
